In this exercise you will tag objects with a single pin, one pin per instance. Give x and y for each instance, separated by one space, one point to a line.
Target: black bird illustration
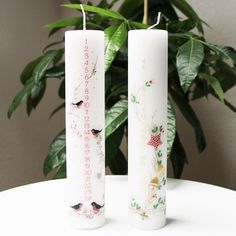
78 104
95 132
77 207
96 207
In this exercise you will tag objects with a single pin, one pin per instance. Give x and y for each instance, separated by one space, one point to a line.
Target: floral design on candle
145 213
134 96
154 202
147 127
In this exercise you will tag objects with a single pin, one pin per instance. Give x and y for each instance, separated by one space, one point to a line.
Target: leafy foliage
189 57
197 68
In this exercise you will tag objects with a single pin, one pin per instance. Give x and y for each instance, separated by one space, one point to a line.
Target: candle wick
84 17
158 21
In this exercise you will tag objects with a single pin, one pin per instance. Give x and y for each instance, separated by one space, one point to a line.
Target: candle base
81 223
154 223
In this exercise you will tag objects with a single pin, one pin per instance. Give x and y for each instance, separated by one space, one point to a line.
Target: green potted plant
197 68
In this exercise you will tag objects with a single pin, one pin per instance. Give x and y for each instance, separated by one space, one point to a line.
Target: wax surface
85 122
147 128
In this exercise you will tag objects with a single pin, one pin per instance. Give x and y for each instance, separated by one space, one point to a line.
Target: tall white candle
85 122
148 62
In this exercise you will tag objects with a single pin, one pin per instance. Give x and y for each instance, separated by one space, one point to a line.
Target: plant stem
145 12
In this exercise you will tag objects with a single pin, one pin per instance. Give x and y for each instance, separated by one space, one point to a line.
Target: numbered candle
85 119
147 128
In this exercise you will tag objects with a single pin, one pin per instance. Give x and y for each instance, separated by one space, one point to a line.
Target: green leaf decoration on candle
133 98
159 153
154 129
148 83
189 57
115 37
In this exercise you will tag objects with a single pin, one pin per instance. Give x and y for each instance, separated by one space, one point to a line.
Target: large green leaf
185 8
189 57
55 72
21 96
115 37
57 153
226 52
98 10
119 164
181 26
117 90
61 90
47 59
226 75
28 70
74 21
178 157
114 159
35 96
215 84
191 117
138 25
61 172
171 128
116 116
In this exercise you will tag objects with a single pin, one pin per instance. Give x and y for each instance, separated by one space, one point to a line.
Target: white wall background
24 141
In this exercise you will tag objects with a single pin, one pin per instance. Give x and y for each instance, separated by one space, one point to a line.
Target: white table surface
192 209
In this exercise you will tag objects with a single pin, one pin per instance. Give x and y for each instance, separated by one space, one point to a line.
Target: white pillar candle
85 122
148 63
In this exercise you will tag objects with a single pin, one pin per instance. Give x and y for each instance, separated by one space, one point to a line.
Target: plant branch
145 12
